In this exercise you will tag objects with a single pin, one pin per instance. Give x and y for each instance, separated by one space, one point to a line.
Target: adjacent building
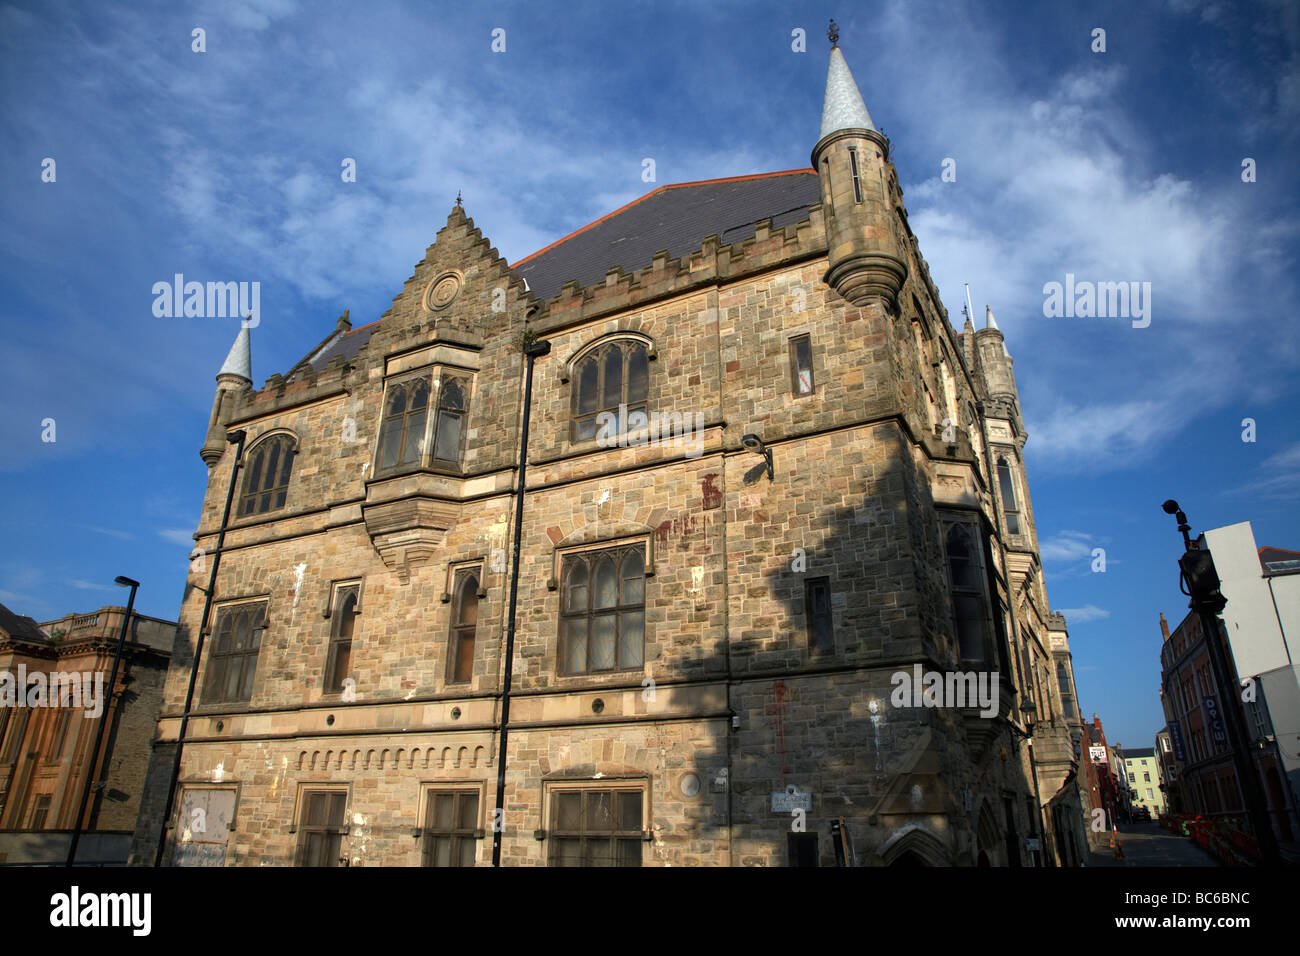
1262 615
53 694
771 497
1142 773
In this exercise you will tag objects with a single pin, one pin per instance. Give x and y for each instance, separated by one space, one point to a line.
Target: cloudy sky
1122 165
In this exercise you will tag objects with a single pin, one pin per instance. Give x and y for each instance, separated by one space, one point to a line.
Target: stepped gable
677 218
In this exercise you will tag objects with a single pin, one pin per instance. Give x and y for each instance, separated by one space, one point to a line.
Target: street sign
1212 711
789 800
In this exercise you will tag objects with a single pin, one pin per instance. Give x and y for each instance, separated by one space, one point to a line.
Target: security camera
753 443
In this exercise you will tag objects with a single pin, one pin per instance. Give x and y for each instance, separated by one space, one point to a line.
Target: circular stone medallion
443 290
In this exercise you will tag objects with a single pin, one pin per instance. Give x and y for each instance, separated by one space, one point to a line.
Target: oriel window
1007 486
401 435
969 598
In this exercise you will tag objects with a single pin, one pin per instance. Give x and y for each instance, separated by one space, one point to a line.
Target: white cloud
1279 476
1082 615
1067 546
90 585
181 536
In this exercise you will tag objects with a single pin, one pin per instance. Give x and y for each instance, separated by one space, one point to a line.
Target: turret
851 159
236 375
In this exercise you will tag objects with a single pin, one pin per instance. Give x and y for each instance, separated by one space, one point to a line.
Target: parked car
1141 814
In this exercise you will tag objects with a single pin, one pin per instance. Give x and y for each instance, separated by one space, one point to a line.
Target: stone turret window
610 384
339 661
1007 487
969 592
801 366
266 480
602 615
853 166
817 614
464 623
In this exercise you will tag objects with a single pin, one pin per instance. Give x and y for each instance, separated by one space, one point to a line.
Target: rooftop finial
833 33
457 197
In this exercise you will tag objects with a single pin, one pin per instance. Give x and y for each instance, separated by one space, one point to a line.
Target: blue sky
225 165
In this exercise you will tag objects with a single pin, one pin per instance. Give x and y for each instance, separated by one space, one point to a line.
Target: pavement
1149 844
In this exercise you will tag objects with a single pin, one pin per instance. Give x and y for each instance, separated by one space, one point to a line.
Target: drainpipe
532 350
235 438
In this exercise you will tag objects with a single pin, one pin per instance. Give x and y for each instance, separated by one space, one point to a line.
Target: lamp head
753 443
1170 506
236 437
125 582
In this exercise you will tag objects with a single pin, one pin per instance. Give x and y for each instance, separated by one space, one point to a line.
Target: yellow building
1142 770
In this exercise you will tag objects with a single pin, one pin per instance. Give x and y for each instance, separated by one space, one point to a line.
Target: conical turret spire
240 360
843 107
989 321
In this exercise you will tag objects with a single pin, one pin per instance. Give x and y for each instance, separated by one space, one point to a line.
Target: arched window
1067 690
464 622
966 575
266 480
610 384
602 616
451 420
402 432
339 662
402 435
233 662
1007 487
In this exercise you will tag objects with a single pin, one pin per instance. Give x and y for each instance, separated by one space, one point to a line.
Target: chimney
1164 626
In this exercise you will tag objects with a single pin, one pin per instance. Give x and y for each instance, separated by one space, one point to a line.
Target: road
1148 844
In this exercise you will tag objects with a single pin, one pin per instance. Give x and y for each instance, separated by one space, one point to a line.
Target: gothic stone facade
738 702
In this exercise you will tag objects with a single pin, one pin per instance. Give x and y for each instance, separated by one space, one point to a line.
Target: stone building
769 491
53 695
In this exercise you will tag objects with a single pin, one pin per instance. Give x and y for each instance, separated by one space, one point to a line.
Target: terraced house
764 475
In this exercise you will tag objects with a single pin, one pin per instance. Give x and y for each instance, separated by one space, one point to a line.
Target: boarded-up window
203 827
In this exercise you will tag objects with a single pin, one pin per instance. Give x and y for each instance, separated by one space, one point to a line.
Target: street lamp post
1197 569
103 718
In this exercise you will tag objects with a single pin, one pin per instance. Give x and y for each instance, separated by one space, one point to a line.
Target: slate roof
676 217
20 626
1137 752
1279 560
